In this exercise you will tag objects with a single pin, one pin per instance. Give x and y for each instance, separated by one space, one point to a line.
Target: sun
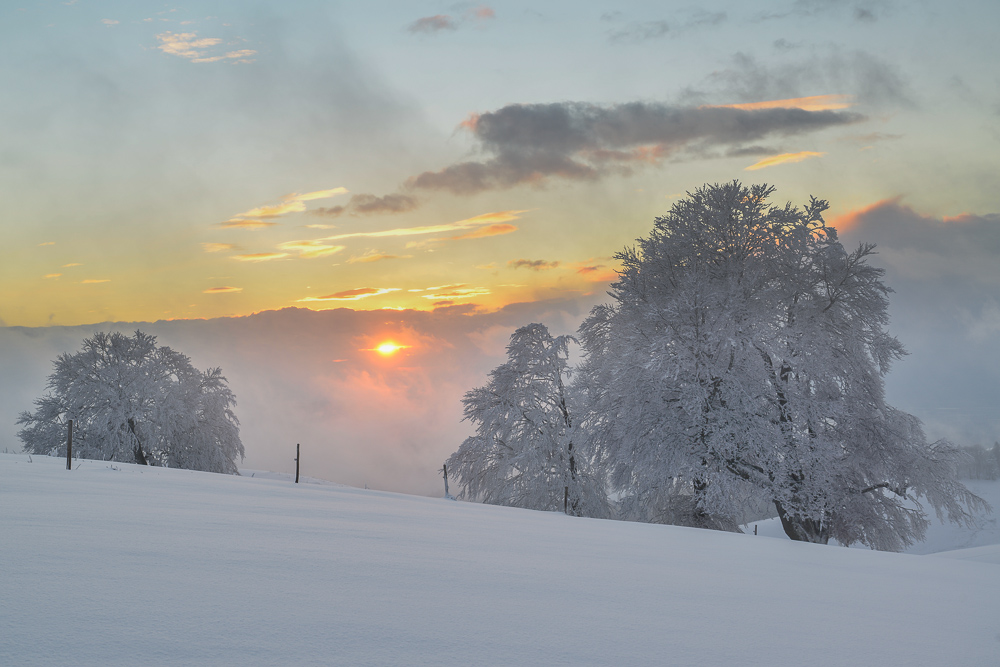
388 347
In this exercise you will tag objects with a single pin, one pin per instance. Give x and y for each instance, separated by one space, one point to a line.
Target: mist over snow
314 378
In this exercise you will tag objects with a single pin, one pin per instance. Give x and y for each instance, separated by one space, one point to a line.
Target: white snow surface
115 564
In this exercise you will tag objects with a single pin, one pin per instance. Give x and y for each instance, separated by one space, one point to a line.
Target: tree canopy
134 401
743 356
526 452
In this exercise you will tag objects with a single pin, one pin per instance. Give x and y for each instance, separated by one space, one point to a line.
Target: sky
219 159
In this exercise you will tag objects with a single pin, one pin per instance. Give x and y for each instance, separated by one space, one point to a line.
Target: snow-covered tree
743 358
525 452
133 401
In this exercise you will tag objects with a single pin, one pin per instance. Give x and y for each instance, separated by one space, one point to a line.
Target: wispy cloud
375 257
218 247
353 294
66 266
310 249
533 143
237 223
368 204
468 223
533 264
109 22
222 290
442 22
452 292
430 24
637 32
52 275
784 158
290 203
95 281
189 46
260 256
44 243
812 103
483 232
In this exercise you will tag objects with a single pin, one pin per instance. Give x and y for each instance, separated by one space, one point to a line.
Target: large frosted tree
742 358
134 401
526 451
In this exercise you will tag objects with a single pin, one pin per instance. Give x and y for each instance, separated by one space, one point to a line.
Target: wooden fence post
296 463
69 446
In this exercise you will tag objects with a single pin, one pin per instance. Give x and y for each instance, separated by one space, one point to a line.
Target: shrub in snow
133 401
742 358
526 451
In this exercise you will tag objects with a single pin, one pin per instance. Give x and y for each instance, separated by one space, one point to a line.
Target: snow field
116 564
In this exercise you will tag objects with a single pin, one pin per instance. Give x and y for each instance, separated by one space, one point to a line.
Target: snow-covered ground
113 564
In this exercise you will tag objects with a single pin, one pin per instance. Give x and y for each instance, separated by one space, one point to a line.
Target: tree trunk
801 529
140 458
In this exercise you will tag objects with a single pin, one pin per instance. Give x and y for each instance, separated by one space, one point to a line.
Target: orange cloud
353 294
222 290
47 243
66 266
218 247
237 223
849 220
482 232
318 194
814 103
275 211
52 275
260 256
783 159
94 281
456 292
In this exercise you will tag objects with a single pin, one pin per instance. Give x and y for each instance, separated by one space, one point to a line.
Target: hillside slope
113 564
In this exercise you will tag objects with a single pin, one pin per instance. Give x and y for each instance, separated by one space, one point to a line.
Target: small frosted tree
743 358
525 452
133 401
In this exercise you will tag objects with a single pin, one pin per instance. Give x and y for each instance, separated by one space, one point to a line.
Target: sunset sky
178 161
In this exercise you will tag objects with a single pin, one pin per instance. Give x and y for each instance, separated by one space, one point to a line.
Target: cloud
533 143
440 22
369 204
866 77
237 223
533 264
352 294
290 203
218 247
468 223
596 272
66 266
310 249
189 46
95 281
812 103
637 32
375 257
52 275
222 290
784 158
483 232
45 243
109 22
453 292
430 24
260 256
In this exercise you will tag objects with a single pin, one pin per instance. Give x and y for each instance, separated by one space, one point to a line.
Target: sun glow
388 347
